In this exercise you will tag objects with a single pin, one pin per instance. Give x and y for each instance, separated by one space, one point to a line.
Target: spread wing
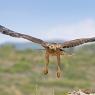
77 42
6 31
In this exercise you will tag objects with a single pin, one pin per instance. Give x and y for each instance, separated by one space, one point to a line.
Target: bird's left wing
77 42
7 31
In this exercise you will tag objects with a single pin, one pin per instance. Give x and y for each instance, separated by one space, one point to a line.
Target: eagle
54 49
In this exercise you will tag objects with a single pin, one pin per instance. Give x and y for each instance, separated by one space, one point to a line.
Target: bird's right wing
9 32
77 42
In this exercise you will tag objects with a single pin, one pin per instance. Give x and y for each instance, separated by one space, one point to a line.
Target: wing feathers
77 42
6 31
66 44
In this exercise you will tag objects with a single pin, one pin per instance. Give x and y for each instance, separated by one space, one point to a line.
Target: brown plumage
54 49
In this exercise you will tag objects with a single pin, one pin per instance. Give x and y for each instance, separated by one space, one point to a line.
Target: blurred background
21 71
22 62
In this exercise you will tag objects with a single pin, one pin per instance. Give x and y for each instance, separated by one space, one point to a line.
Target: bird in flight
54 49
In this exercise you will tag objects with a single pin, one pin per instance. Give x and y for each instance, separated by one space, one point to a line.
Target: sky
48 19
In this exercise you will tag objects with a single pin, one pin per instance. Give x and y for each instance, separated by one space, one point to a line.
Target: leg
58 66
47 62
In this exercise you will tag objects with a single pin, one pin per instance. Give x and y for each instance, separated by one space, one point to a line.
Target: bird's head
54 46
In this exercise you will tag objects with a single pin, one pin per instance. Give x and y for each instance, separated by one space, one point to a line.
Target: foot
58 74
45 71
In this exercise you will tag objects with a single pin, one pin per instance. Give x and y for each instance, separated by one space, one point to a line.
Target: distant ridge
23 46
29 45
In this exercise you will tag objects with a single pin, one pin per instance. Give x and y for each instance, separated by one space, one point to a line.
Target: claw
58 74
45 71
